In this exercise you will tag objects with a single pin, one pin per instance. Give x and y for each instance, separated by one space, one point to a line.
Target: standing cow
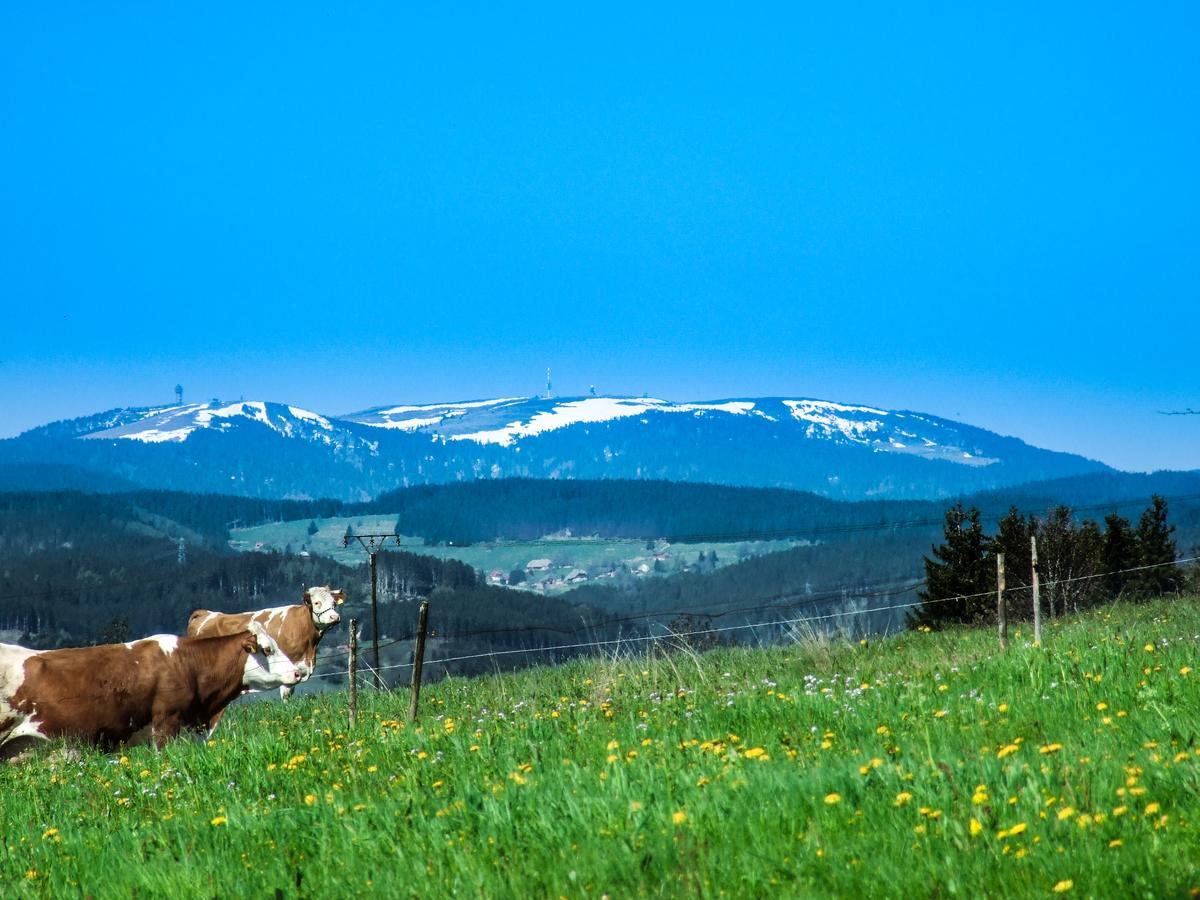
132 693
298 629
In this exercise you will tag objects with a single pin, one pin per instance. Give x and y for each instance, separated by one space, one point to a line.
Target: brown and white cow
298 629
132 693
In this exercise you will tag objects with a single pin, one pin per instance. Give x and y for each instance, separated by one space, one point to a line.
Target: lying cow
298 629
132 693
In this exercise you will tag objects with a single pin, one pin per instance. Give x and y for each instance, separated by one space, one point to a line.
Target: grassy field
926 764
594 555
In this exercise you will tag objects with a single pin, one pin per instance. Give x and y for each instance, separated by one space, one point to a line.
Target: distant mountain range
264 449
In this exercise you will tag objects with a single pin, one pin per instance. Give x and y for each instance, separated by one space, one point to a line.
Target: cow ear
250 645
307 597
339 597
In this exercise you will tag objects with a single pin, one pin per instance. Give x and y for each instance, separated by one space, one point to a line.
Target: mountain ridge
270 449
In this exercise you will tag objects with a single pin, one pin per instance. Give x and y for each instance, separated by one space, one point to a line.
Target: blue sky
987 214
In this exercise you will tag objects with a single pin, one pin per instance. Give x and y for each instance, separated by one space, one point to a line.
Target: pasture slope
926 764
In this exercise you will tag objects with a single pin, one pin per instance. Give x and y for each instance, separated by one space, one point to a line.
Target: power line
729 628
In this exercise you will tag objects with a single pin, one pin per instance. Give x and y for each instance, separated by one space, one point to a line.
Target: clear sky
987 213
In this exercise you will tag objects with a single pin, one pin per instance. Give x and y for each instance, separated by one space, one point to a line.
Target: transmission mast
179 393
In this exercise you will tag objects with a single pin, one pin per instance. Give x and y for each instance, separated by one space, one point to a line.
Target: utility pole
181 553
373 543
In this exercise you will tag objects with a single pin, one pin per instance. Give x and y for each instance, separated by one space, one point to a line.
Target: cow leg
165 727
214 722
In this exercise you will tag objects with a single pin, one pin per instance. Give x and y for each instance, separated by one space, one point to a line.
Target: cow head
266 665
323 603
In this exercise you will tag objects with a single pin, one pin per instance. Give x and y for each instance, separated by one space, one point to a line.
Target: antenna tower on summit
549 390
179 393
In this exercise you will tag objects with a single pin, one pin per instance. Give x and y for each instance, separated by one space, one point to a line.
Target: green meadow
924 764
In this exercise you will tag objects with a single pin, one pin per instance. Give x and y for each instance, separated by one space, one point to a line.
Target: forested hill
517 509
78 569
527 509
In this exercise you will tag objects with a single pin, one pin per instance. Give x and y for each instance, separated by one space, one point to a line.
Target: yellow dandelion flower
1119 811
902 798
1003 707
31 874
1151 809
1149 648
1185 670
219 820
1050 748
1115 842
833 798
679 817
1063 886
49 833
613 745
1019 828
1066 813
1102 706
975 827
1007 750
635 805
310 799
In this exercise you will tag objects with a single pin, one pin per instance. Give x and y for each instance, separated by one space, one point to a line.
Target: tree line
1081 562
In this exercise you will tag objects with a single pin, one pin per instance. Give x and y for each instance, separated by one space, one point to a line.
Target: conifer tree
957 569
1156 547
1118 554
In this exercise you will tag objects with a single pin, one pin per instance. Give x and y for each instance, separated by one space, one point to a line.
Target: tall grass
922 764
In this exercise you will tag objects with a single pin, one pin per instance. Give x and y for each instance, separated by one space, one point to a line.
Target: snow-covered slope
273 449
176 423
504 422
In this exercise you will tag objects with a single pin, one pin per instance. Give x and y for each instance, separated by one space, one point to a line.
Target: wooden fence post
353 672
1037 594
418 660
1001 602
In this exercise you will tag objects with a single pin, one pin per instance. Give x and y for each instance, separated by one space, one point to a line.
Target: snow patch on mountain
175 423
414 418
823 419
594 410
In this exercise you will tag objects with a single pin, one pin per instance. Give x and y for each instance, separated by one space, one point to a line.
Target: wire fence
791 622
